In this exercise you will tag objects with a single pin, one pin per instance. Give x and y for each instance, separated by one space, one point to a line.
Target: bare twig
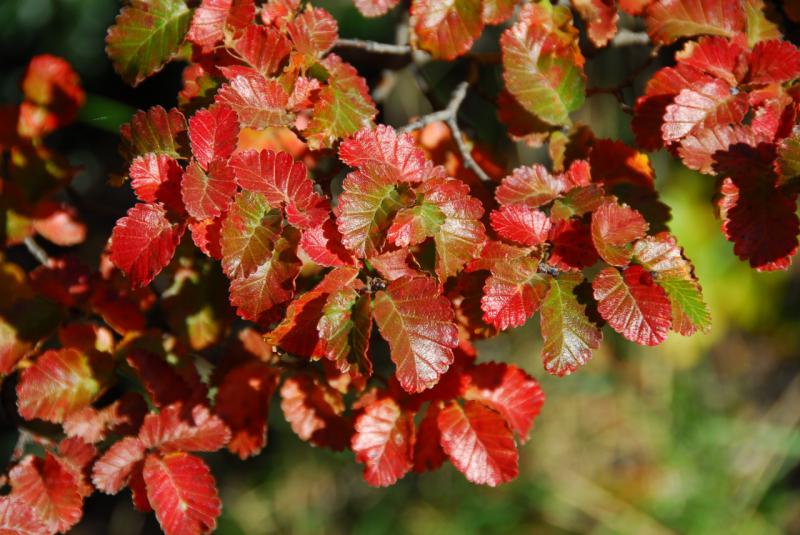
449 115
36 250
630 38
374 46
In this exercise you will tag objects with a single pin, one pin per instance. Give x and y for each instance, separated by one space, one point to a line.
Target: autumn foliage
283 243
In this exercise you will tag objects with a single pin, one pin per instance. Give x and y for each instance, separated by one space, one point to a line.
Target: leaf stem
36 250
374 46
449 115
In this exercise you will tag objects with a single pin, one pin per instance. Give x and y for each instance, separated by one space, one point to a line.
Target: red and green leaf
569 335
417 321
447 29
146 35
633 304
59 383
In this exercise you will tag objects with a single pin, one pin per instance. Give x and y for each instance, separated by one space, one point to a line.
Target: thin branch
630 38
466 154
449 115
36 250
444 115
374 46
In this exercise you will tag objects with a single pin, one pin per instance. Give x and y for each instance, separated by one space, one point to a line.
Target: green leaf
345 327
146 35
344 106
569 336
272 283
550 83
662 256
364 213
248 233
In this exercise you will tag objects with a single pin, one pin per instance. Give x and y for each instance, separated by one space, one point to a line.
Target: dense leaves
312 225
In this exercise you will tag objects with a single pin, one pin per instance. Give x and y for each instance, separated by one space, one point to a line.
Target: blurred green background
699 435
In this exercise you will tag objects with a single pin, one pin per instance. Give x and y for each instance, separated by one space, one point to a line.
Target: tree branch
36 250
449 115
374 46
630 38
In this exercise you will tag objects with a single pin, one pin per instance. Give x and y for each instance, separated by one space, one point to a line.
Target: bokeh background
699 435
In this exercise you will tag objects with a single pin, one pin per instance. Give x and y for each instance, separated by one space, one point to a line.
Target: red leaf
243 398
121 417
479 443
758 217
384 442
54 88
78 456
50 489
139 490
707 106
417 321
258 102
460 236
285 184
697 150
669 20
323 245
157 177
660 92
59 383
64 280
207 235
572 245
393 265
375 8
601 19
263 48
173 429
508 390
428 452
208 194
614 228
774 61
522 224
18 518
213 17
143 242
154 130
446 30
297 333
163 383
633 304
183 493
516 288
314 410
532 186
387 157
313 32
58 223
717 56
113 470
213 133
